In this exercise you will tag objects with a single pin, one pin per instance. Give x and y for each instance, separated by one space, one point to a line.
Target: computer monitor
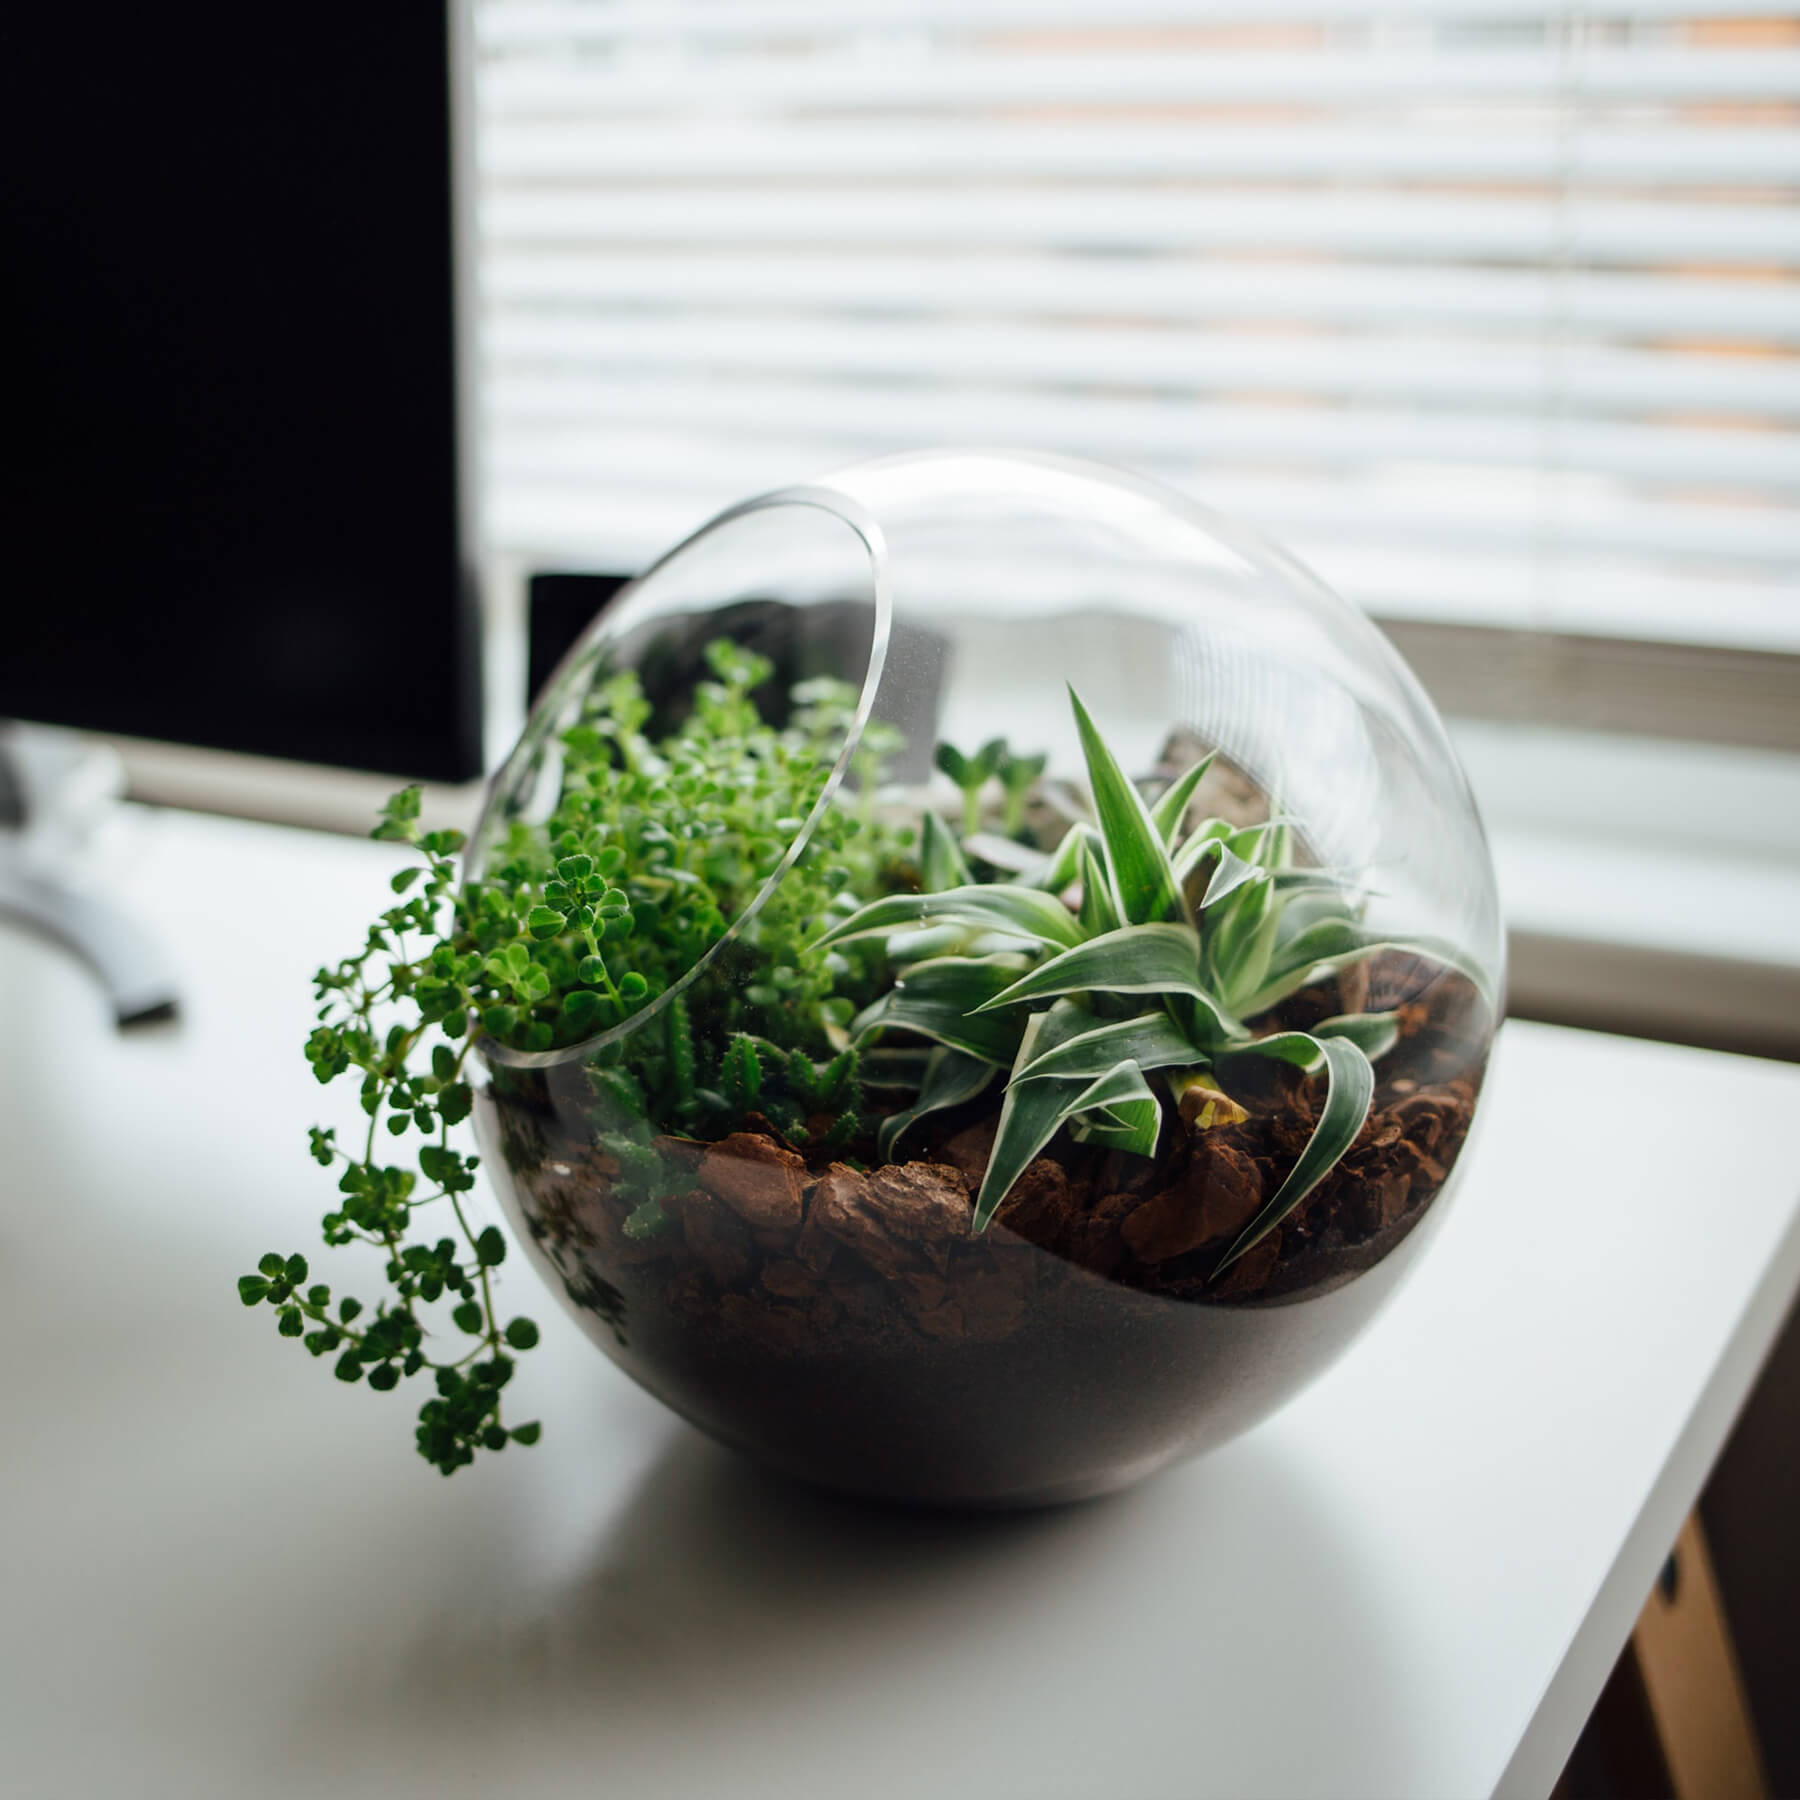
233 512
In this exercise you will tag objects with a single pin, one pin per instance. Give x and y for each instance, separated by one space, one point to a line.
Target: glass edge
868 529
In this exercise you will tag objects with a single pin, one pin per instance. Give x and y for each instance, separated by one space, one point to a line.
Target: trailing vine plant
653 850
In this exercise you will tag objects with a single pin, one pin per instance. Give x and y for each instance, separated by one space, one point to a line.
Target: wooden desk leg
1684 1653
1672 1723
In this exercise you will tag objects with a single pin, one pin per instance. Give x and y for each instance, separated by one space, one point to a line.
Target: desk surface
223 1573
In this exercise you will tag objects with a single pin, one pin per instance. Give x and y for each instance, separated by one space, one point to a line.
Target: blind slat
1129 218
1450 371
1190 289
561 26
1492 514
1490 308
1171 77
878 417
1519 148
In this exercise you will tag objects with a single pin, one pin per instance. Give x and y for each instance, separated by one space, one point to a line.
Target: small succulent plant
1107 1014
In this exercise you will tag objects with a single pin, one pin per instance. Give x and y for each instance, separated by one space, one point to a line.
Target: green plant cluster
1108 984
1107 1016
653 849
579 924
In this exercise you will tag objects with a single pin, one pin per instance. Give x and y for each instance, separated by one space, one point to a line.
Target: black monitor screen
229 512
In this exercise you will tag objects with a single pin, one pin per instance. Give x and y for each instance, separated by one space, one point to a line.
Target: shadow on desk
732 1628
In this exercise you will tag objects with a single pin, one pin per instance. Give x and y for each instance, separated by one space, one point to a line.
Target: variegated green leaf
1152 1040
1136 959
1374 1034
1020 911
1098 912
1206 1021
1267 842
1315 940
1314 903
1119 1111
1333 945
1065 864
1172 803
939 1000
951 1077
1294 1047
1228 872
1239 948
1350 1086
1139 1137
941 864
1316 881
1143 879
1206 832
1031 1112
921 941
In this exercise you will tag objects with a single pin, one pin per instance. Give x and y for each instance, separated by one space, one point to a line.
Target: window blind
1489 311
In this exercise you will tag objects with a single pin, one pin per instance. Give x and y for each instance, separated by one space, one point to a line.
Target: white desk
223 1573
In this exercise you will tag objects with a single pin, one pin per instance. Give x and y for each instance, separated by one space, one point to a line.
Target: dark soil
785 1251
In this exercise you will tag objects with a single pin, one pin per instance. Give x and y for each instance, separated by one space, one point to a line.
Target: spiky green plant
1105 1017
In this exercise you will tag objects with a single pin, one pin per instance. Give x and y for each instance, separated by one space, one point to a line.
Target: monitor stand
54 789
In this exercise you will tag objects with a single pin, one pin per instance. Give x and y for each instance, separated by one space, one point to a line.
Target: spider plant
1136 1000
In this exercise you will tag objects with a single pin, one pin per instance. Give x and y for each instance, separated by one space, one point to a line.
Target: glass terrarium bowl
936 1077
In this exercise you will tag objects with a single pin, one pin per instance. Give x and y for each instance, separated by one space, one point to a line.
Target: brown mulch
782 1252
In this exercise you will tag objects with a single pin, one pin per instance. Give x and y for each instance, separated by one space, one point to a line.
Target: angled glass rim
863 524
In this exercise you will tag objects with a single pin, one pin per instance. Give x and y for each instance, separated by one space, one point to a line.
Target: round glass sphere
1008 964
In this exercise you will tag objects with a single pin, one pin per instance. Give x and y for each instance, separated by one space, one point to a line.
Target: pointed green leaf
1207 1022
1119 1111
1099 913
1021 911
936 1000
1316 941
1029 1119
1121 1085
922 941
1312 904
1294 1047
1172 803
1143 878
1139 1135
1239 946
1194 844
1314 881
941 864
1350 1087
951 1077
1332 944
1031 1112
1065 864
1152 1040
1136 959
1266 842
1229 872
1374 1034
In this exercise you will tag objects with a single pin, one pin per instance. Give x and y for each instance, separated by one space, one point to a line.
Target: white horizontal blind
1490 310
